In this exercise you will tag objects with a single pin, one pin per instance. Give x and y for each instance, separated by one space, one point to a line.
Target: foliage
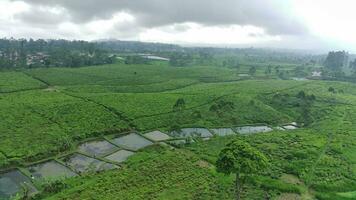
156 173
31 53
241 159
336 60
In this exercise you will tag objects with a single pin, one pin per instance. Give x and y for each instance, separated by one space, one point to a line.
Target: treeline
137 47
23 53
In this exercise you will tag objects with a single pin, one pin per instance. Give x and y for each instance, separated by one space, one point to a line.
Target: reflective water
157 136
51 170
120 156
253 129
97 148
13 182
223 131
132 141
192 132
81 163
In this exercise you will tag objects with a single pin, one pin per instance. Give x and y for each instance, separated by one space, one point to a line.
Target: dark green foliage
222 106
239 158
130 60
336 60
54 186
156 173
331 89
252 71
180 59
268 70
50 53
179 105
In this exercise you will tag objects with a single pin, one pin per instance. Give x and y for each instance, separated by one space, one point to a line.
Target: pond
192 132
157 136
289 127
12 183
132 141
177 142
97 148
120 156
223 131
253 129
50 170
81 163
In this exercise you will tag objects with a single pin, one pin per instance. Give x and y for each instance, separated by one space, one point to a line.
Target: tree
331 89
336 60
301 95
252 71
268 70
179 105
241 159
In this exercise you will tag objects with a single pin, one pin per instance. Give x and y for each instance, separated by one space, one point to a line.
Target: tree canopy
241 159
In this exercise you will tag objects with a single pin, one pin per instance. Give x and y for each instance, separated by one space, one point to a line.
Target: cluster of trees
136 47
336 60
193 56
180 59
305 104
222 106
336 64
22 53
136 59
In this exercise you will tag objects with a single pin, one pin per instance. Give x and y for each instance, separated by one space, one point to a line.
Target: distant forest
22 53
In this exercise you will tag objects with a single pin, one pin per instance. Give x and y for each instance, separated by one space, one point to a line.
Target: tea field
49 111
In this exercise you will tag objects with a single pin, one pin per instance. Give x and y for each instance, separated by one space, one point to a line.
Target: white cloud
270 23
194 33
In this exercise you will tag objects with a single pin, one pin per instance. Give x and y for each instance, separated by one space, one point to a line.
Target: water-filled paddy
289 127
132 141
12 182
253 129
192 132
50 170
223 131
97 148
178 142
120 156
81 163
157 136
280 128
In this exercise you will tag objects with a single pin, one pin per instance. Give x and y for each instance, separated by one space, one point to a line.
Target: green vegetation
22 53
47 111
241 159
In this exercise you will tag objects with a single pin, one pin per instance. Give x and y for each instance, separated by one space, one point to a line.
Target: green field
48 111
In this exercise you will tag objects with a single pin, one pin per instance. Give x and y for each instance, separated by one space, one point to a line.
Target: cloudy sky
298 24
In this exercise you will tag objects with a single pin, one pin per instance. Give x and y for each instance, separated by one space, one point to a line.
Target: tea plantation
46 112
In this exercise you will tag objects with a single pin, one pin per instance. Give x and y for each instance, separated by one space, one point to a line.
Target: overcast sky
298 24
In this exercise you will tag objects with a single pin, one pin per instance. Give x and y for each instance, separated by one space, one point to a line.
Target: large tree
241 159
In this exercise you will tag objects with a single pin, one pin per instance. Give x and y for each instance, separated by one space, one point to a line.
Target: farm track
118 114
110 109
286 89
48 118
312 169
23 90
36 78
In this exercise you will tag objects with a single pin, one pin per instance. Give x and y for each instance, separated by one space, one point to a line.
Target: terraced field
47 113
